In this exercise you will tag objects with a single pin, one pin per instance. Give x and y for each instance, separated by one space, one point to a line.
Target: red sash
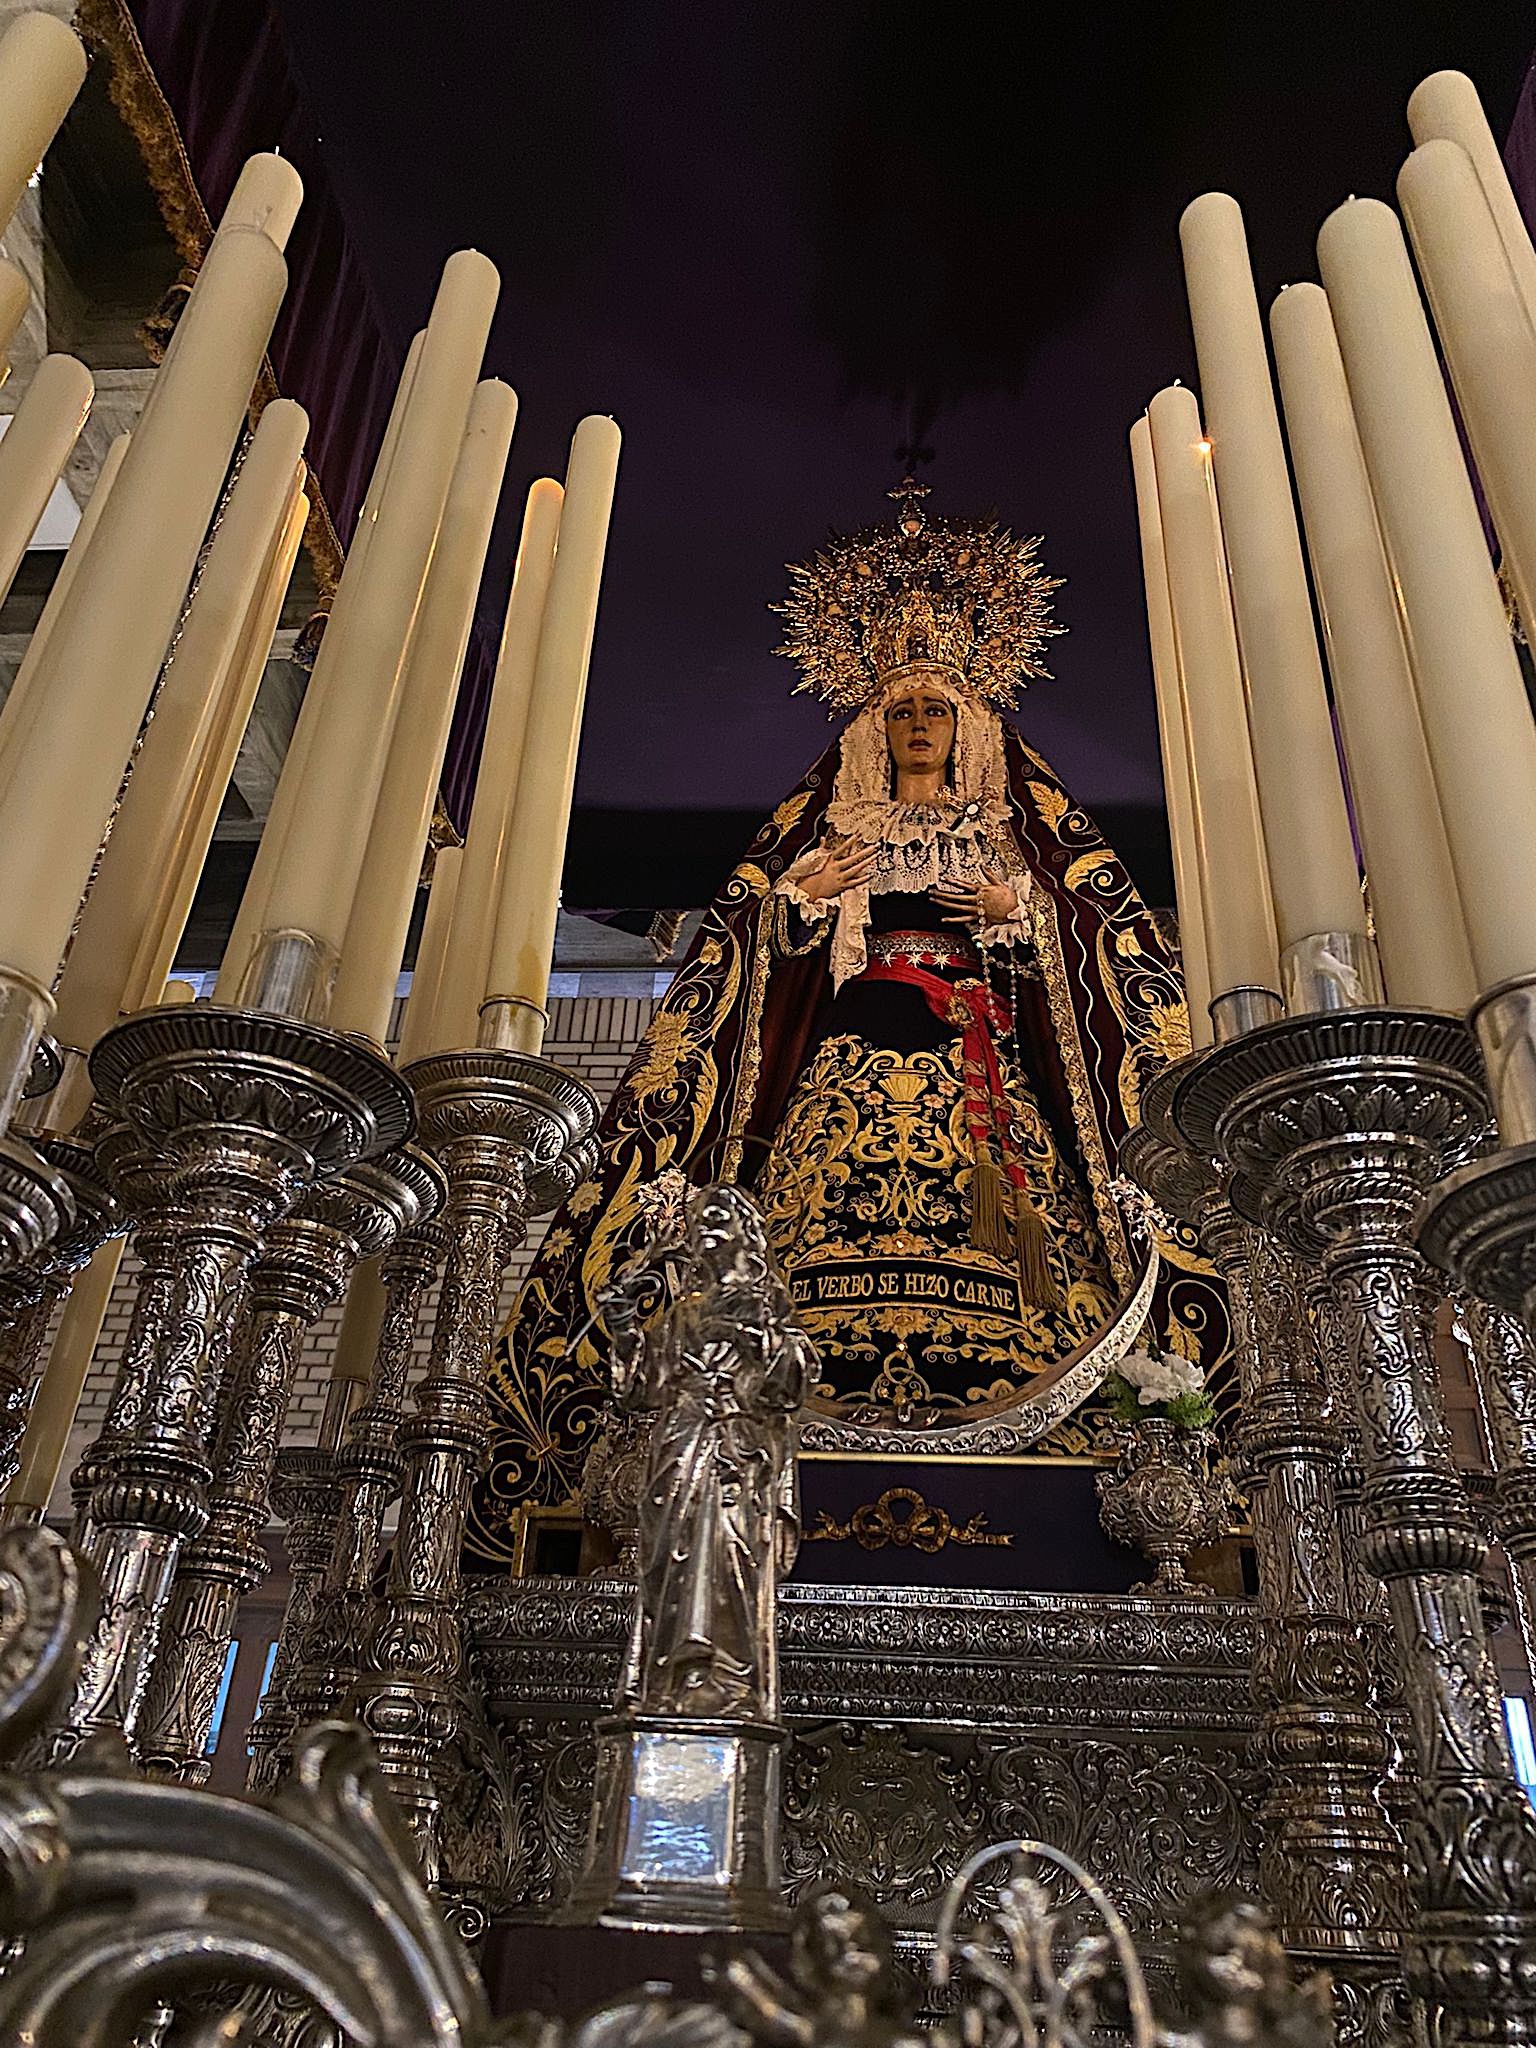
1011 1227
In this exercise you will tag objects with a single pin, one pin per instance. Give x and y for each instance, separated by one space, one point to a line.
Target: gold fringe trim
108 29
1006 1224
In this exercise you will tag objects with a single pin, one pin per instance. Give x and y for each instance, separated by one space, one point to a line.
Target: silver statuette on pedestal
686 1818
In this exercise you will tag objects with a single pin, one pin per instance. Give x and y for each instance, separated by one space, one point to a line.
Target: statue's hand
990 901
840 872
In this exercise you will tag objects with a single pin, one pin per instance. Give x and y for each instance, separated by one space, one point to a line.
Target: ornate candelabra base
348 1494
305 1266
1504 1373
1331 1863
1346 1120
306 1500
236 1114
513 1136
684 1827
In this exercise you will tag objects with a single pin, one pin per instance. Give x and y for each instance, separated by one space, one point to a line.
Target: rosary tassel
1040 1289
1004 1222
990 1228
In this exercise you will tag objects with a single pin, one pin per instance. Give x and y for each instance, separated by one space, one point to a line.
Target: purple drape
231 84
1520 148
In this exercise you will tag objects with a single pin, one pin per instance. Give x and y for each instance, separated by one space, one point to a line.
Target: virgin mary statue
916 1022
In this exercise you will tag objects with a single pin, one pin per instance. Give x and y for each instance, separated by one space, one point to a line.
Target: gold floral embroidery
664 1045
866 1194
791 811
1051 803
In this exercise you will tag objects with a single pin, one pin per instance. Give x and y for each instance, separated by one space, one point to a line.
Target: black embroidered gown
868 1190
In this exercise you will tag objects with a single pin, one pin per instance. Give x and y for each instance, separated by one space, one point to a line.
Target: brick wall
593 1035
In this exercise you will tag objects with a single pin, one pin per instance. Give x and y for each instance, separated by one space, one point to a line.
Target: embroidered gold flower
790 811
1165 1028
1181 1341
665 1046
1050 803
586 1198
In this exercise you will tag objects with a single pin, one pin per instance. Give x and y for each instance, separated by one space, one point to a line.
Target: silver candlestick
1479 1224
30 1293
512 1133
1347 1120
325 1625
1331 1862
308 1258
236 1115
35 1204
305 1494
1504 1375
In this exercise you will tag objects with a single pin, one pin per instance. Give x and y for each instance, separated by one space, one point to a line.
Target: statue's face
720 1226
920 729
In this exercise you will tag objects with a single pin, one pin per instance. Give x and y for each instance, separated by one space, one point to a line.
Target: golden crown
969 597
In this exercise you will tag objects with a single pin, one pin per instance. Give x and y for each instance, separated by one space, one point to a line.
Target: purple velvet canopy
230 87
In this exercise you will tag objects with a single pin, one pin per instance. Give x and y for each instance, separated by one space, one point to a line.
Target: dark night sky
758 235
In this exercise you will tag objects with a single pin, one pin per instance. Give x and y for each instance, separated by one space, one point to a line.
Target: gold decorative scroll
878 1526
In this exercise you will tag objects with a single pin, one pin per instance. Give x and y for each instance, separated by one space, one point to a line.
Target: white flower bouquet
1159 1383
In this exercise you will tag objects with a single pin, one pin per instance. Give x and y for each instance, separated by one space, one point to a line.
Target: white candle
1482 742
267 195
15 297
1420 933
1172 733
362 1321
100 664
466 968
34 449
523 942
384 461
309 873
1312 871
166 925
42 67
250 918
391 871
1239 920
1447 106
21 704
1488 340
419 1035
124 906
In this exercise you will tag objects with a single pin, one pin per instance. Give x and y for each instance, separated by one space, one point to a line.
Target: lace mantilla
910 867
